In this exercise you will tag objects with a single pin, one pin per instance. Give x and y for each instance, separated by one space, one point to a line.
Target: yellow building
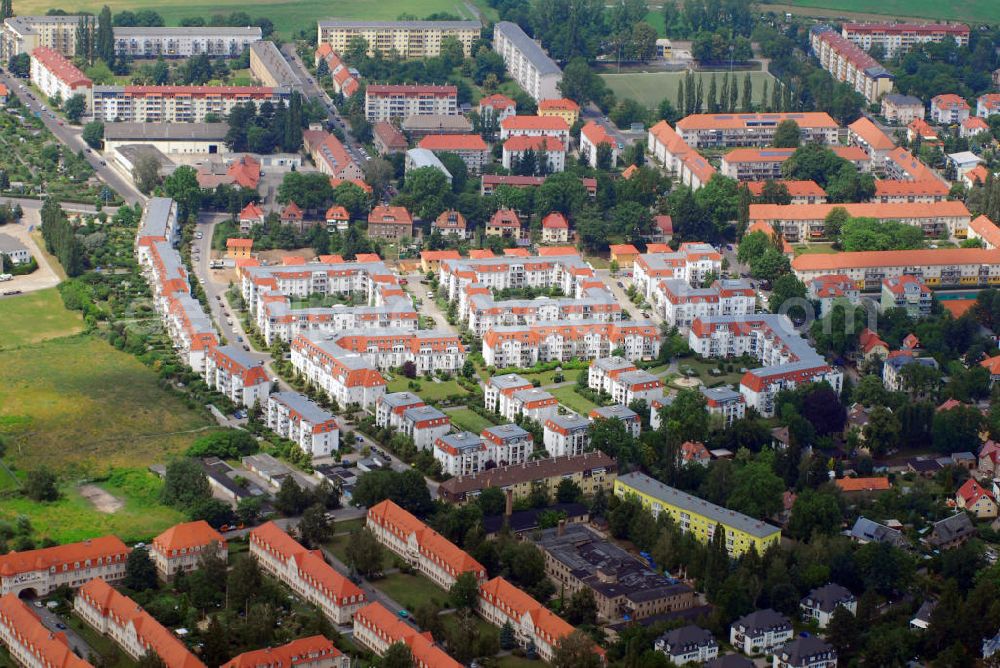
409 39
566 109
697 516
237 248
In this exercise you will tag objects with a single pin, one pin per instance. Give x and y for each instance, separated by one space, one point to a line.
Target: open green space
81 407
289 16
987 11
74 517
649 88
429 390
469 420
34 317
483 627
703 368
411 591
548 377
814 249
569 398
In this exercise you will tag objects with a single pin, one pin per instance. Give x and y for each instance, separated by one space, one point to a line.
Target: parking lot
45 276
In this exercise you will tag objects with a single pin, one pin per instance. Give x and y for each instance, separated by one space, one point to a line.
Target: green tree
365 554
74 108
425 192
835 221
226 444
146 172
784 290
464 592
491 501
93 133
291 499
568 491
582 608
581 84
104 39
882 431
814 511
40 485
6 9
215 649
243 584
397 656
787 135
184 484
314 529
140 572
957 429
182 186
756 490
576 650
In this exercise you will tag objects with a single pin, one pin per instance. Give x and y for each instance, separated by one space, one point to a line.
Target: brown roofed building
182 547
389 222
387 138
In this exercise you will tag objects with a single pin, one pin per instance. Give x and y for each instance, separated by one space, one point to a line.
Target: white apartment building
184 42
692 262
296 417
57 77
592 136
177 104
180 548
279 321
500 390
508 444
627 416
566 435
460 454
378 629
677 158
760 632
384 101
306 573
527 63
347 377
548 151
847 62
237 375
603 371
40 572
24 34
568 272
408 39
406 413
728 404
269 66
533 404
525 346
535 126
893 37
732 130
679 304
688 644
630 386
484 313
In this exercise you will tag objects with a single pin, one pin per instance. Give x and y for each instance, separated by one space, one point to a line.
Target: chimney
561 528
508 502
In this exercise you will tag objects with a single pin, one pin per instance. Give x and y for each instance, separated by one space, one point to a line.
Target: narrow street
54 623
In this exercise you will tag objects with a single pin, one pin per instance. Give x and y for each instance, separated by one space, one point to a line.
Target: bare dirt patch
102 500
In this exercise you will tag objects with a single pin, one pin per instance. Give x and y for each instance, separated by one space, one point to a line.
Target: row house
673 153
755 129
848 63
566 435
901 165
330 155
39 572
680 304
627 416
566 271
910 192
549 152
237 375
765 164
534 625
178 104
428 551
386 101
484 312
896 37
377 629
525 346
180 548
534 126
804 222
311 652
800 192
345 79
306 573
409 415
490 182
298 418
693 262
349 378
134 630
787 360
29 642
470 148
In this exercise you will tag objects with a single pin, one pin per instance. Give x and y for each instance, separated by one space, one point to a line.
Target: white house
299 419
760 632
821 603
688 644
566 435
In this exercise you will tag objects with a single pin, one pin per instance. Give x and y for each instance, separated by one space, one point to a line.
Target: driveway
42 278
52 621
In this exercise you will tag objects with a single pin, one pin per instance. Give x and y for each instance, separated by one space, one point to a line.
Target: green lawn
987 11
288 15
709 380
649 88
411 591
429 390
568 397
84 408
814 249
548 377
35 317
467 419
74 518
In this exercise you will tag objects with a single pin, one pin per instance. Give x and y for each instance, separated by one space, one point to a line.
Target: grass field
84 408
987 11
467 419
429 390
74 518
411 591
289 16
569 398
815 249
649 88
35 317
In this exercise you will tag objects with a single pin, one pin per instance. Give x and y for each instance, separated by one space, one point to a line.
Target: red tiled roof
505 218
555 220
863 484
390 215
949 101
869 340
992 364
61 67
972 491
864 259
807 119
881 211
557 251
560 104
236 242
467 142
252 212
624 249
302 651
543 144
245 172
596 134
446 553
928 187
292 212
46 558
552 123
497 101
337 212
49 649
187 535
871 135
795 188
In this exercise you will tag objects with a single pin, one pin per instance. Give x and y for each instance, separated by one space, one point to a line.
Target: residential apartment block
949 109
592 137
483 312
847 62
423 548
407 39
728 404
688 644
732 130
306 573
461 453
566 435
627 416
567 271
24 34
57 77
184 42
524 346
406 413
804 222
622 381
591 471
894 37
964 267
180 548
389 222
237 375
134 630
384 101
680 304
764 164
987 105
698 516
692 262
822 602
311 652
907 292
788 360
299 419
29 642
548 151
508 444
377 629
760 632
682 161
527 63
177 104
534 126
269 67
470 148
39 572
534 625
901 109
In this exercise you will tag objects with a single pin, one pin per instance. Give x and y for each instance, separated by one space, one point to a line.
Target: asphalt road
52 621
70 137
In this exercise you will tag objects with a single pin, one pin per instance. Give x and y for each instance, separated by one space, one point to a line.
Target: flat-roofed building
168 138
508 443
408 39
847 62
387 101
184 42
527 63
757 129
178 104
463 453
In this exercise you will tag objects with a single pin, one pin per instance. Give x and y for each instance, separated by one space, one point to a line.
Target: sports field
648 88
289 16
985 11
35 317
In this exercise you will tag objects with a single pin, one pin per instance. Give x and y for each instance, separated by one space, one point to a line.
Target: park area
36 317
649 88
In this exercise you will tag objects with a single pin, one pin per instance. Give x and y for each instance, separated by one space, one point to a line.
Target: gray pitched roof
827 597
761 621
528 47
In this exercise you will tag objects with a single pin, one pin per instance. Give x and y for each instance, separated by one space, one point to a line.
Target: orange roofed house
251 215
378 629
624 255
555 229
504 223
430 552
29 642
133 629
564 108
238 248
389 222
976 499
39 572
312 652
450 223
181 547
306 573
